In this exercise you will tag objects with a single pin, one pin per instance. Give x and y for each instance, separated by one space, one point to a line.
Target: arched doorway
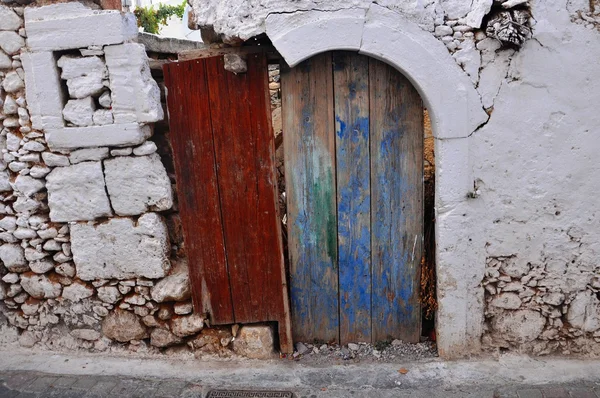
353 139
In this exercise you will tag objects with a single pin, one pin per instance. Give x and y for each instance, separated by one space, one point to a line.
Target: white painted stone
34 146
43 89
72 25
28 185
77 292
87 154
10 106
80 112
11 42
103 116
146 148
343 30
13 257
507 301
455 9
138 184
33 254
49 233
584 312
174 287
105 100
72 67
479 9
5 181
65 269
97 136
109 294
84 86
135 94
41 266
121 249
13 142
52 246
5 61
9 20
12 82
40 286
77 193
121 152
24 233
38 171
54 160
469 59
8 223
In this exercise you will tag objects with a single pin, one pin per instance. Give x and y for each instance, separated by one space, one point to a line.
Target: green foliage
150 19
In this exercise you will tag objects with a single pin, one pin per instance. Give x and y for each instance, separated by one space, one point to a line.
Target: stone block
255 342
72 25
83 155
9 20
40 286
95 136
519 326
138 184
77 193
80 112
121 248
135 94
45 98
13 257
174 287
84 86
72 67
123 326
11 42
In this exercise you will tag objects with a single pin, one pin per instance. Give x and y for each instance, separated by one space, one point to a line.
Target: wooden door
353 142
223 149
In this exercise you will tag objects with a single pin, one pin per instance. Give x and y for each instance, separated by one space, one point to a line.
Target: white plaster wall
526 182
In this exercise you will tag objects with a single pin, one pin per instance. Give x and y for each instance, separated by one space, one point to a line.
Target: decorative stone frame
456 112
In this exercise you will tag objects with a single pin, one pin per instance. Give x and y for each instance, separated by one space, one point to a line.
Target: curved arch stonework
456 112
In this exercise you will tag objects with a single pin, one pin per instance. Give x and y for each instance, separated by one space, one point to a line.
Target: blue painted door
353 144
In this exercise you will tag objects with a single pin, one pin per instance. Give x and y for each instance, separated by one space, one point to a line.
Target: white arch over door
456 112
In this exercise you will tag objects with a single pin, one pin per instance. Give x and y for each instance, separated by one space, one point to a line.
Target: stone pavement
42 374
28 384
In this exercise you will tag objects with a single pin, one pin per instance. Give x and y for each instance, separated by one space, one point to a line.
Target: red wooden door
223 148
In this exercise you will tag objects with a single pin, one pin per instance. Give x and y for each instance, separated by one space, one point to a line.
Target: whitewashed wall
518 231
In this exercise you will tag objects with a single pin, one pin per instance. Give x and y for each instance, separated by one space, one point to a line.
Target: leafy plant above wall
151 19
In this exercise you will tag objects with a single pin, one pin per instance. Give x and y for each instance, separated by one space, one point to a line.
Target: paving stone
169 389
65 381
15 381
6 392
102 389
41 384
125 388
556 392
579 392
530 393
85 383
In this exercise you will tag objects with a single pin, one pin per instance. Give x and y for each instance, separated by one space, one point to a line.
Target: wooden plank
216 52
397 203
351 88
192 142
273 286
309 149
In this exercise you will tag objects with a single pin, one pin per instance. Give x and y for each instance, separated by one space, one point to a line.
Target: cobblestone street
20 384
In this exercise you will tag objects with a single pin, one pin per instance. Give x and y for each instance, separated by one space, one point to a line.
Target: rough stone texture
123 326
80 112
96 136
72 25
138 184
13 257
86 334
255 342
9 20
519 326
11 42
187 325
77 292
43 88
40 286
72 67
83 155
77 193
162 338
121 248
135 94
174 287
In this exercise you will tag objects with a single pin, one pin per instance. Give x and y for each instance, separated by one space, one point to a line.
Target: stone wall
517 233
92 255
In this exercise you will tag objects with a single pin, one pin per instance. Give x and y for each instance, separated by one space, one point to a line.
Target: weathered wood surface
208 52
397 203
243 142
309 148
378 198
351 92
198 193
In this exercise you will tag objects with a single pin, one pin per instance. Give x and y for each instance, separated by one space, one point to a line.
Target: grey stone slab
126 388
168 389
85 383
555 392
581 392
102 389
15 380
41 384
530 393
6 392
65 381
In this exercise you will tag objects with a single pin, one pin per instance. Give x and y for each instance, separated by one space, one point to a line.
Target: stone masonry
86 205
